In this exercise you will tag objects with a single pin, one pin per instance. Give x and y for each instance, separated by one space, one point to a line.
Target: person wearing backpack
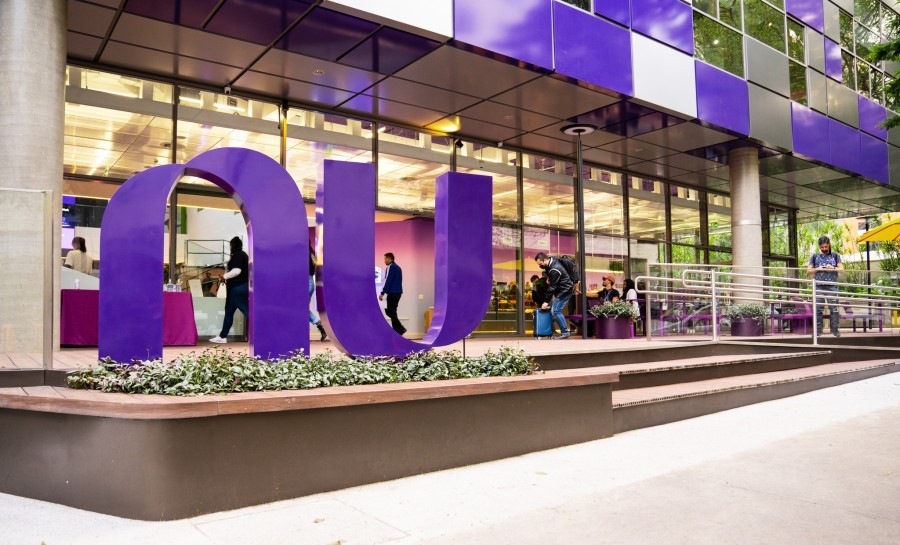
560 289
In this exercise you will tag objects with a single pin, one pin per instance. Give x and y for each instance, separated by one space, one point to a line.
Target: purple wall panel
616 10
521 29
810 129
832 59
870 115
669 21
874 158
722 99
576 36
844 146
810 12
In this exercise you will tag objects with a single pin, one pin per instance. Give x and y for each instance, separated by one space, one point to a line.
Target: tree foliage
890 51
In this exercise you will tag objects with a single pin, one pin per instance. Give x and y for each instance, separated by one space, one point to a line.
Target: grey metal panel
893 134
894 159
815 50
770 117
846 5
832 22
767 67
843 104
816 91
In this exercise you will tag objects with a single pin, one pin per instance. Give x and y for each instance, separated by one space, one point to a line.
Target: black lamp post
578 130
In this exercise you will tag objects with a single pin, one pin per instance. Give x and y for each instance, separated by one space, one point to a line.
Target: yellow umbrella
888 232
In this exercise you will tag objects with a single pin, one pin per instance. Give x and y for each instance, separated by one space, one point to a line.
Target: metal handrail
764 293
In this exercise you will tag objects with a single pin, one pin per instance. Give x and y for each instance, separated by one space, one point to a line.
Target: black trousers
393 299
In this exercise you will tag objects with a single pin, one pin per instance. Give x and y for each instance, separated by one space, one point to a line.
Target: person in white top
631 293
78 259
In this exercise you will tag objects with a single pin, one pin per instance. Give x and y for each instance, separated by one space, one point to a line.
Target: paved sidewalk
821 468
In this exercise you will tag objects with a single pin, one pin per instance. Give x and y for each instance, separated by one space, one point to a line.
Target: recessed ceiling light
318 72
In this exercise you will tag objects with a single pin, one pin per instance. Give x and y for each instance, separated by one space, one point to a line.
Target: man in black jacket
559 290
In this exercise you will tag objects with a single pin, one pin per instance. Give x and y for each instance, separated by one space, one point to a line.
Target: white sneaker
218 340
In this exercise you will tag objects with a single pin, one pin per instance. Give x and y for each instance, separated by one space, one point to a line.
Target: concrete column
32 85
746 223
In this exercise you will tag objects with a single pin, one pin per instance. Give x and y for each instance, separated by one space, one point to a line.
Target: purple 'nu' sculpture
345 217
131 297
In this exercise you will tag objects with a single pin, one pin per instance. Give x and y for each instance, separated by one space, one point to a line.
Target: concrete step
655 405
646 374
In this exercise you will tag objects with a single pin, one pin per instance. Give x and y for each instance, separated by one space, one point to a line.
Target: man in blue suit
393 288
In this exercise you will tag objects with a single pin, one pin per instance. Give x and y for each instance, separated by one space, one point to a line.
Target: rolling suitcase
543 323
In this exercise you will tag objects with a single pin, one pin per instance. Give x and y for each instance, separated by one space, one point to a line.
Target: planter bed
154 457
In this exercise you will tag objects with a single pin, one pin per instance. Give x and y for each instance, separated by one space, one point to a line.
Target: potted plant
615 320
747 320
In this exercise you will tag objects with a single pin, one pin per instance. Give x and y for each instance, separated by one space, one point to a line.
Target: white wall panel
432 16
663 76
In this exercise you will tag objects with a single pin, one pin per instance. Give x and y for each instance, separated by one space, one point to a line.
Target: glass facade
117 126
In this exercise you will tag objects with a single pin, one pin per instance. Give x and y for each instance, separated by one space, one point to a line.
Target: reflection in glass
798 82
730 13
864 79
846 28
718 45
765 23
708 7
603 206
868 12
865 41
685 215
796 41
848 69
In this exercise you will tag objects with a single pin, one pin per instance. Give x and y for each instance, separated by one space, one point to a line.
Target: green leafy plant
749 311
619 309
221 371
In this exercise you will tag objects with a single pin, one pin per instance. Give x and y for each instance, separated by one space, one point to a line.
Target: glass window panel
864 79
868 12
309 143
719 258
846 25
719 218
686 254
685 215
501 315
865 41
208 120
115 143
646 209
888 19
779 235
798 82
730 13
550 241
549 192
796 41
765 23
718 45
500 164
877 86
706 6
605 256
603 206
889 100
848 69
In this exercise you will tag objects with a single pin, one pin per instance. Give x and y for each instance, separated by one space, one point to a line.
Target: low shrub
221 371
619 309
749 311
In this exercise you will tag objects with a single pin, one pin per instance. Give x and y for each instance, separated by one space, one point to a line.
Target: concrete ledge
146 458
655 413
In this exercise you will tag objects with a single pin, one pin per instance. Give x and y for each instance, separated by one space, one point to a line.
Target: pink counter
79 311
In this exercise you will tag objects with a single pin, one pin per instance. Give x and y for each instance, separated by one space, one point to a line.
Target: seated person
609 294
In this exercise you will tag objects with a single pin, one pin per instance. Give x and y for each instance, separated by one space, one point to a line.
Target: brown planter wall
171 468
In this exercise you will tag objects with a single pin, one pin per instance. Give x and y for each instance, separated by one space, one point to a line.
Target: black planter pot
746 327
614 328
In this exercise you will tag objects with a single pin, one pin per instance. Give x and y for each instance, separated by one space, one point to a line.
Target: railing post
715 317
815 320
